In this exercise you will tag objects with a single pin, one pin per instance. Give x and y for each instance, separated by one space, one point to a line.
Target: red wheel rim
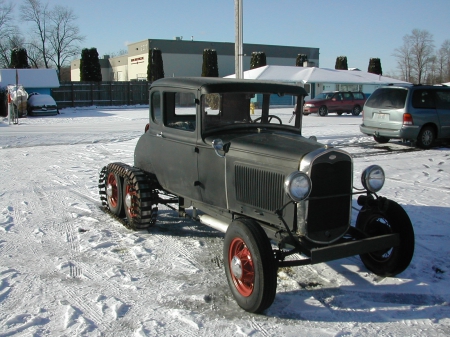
129 207
113 197
243 276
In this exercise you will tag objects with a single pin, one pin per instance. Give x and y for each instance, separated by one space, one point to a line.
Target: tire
114 193
323 111
339 113
356 110
381 139
250 265
139 202
373 222
426 137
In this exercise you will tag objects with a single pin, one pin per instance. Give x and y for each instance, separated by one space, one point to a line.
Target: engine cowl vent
259 188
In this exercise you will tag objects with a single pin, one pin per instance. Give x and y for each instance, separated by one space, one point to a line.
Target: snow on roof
30 78
315 75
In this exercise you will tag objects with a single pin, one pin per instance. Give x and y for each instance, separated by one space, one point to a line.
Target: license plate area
381 116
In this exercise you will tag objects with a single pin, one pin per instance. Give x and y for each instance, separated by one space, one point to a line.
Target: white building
185 58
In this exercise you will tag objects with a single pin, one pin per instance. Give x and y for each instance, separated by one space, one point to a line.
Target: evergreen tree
90 69
19 59
209 66
300 59
341 63
155 68
375 66
258 59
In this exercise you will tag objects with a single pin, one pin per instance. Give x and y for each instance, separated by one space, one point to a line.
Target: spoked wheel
374 222
114 193
140 201
250 265
426 137
323 111
269 119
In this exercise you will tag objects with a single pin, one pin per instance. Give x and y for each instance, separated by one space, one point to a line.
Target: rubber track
144 201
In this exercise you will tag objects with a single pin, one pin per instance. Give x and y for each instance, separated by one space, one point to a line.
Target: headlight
298 186
373 178
309 105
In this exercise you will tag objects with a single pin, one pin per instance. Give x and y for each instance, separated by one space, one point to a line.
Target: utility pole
238 45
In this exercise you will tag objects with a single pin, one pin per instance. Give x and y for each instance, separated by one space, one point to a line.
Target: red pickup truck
335 101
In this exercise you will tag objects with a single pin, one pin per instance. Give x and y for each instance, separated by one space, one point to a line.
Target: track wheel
374 222
250 265
140 202
114 193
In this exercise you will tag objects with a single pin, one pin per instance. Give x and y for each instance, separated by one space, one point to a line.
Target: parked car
417 113
335 101
41 104
258 180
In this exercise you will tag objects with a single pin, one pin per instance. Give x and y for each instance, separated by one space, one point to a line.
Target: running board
208 220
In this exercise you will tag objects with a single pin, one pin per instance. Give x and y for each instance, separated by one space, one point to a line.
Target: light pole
238 46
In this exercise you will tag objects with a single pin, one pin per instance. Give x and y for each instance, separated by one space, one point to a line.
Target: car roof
217 85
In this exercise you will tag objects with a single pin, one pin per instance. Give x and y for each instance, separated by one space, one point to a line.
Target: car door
174 152
348 102
335 102
443 110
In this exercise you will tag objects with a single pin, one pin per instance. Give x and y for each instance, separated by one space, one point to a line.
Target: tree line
51 41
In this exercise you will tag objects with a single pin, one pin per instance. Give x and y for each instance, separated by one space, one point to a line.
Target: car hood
281 146
316 101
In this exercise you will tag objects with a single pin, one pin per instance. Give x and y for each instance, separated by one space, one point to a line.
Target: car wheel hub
128 200
236 267
109 190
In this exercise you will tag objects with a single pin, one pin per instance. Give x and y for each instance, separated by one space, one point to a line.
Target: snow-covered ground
68 269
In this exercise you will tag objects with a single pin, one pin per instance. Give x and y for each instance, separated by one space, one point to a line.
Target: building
185 58
33 80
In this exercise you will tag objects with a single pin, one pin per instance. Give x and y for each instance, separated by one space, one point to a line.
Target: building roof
316 75
30 78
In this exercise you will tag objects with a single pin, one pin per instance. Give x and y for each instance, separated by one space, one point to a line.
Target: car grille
328 213
259 188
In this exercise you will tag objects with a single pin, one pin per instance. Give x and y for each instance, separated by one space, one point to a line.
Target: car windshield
324 95
387 98
247 109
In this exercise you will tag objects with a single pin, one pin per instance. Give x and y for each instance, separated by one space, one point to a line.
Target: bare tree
37 14
414 58
7 44
443 61
8 32
63 36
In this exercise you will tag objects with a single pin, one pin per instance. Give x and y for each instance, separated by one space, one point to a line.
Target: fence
72 94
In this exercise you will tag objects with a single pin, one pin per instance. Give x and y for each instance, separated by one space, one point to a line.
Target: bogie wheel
426 137
140 202
114 193
250 265
356 110
323 111
374 222
381 139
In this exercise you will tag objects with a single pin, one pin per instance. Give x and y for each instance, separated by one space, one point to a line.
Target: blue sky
356 29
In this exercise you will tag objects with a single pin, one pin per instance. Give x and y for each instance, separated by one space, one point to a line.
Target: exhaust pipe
208 220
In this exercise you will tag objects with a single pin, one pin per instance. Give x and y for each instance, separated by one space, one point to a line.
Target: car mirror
218 145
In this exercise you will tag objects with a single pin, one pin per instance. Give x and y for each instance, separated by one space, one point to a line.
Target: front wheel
323 111
250 265
426 137
375 222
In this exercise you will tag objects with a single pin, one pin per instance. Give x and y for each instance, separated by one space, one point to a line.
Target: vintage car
226 154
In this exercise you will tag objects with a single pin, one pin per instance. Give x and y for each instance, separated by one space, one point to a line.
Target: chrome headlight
373 178
298 186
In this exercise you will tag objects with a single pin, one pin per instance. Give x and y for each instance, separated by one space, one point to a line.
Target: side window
423 99
156 107
443 99
180 110
348 96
